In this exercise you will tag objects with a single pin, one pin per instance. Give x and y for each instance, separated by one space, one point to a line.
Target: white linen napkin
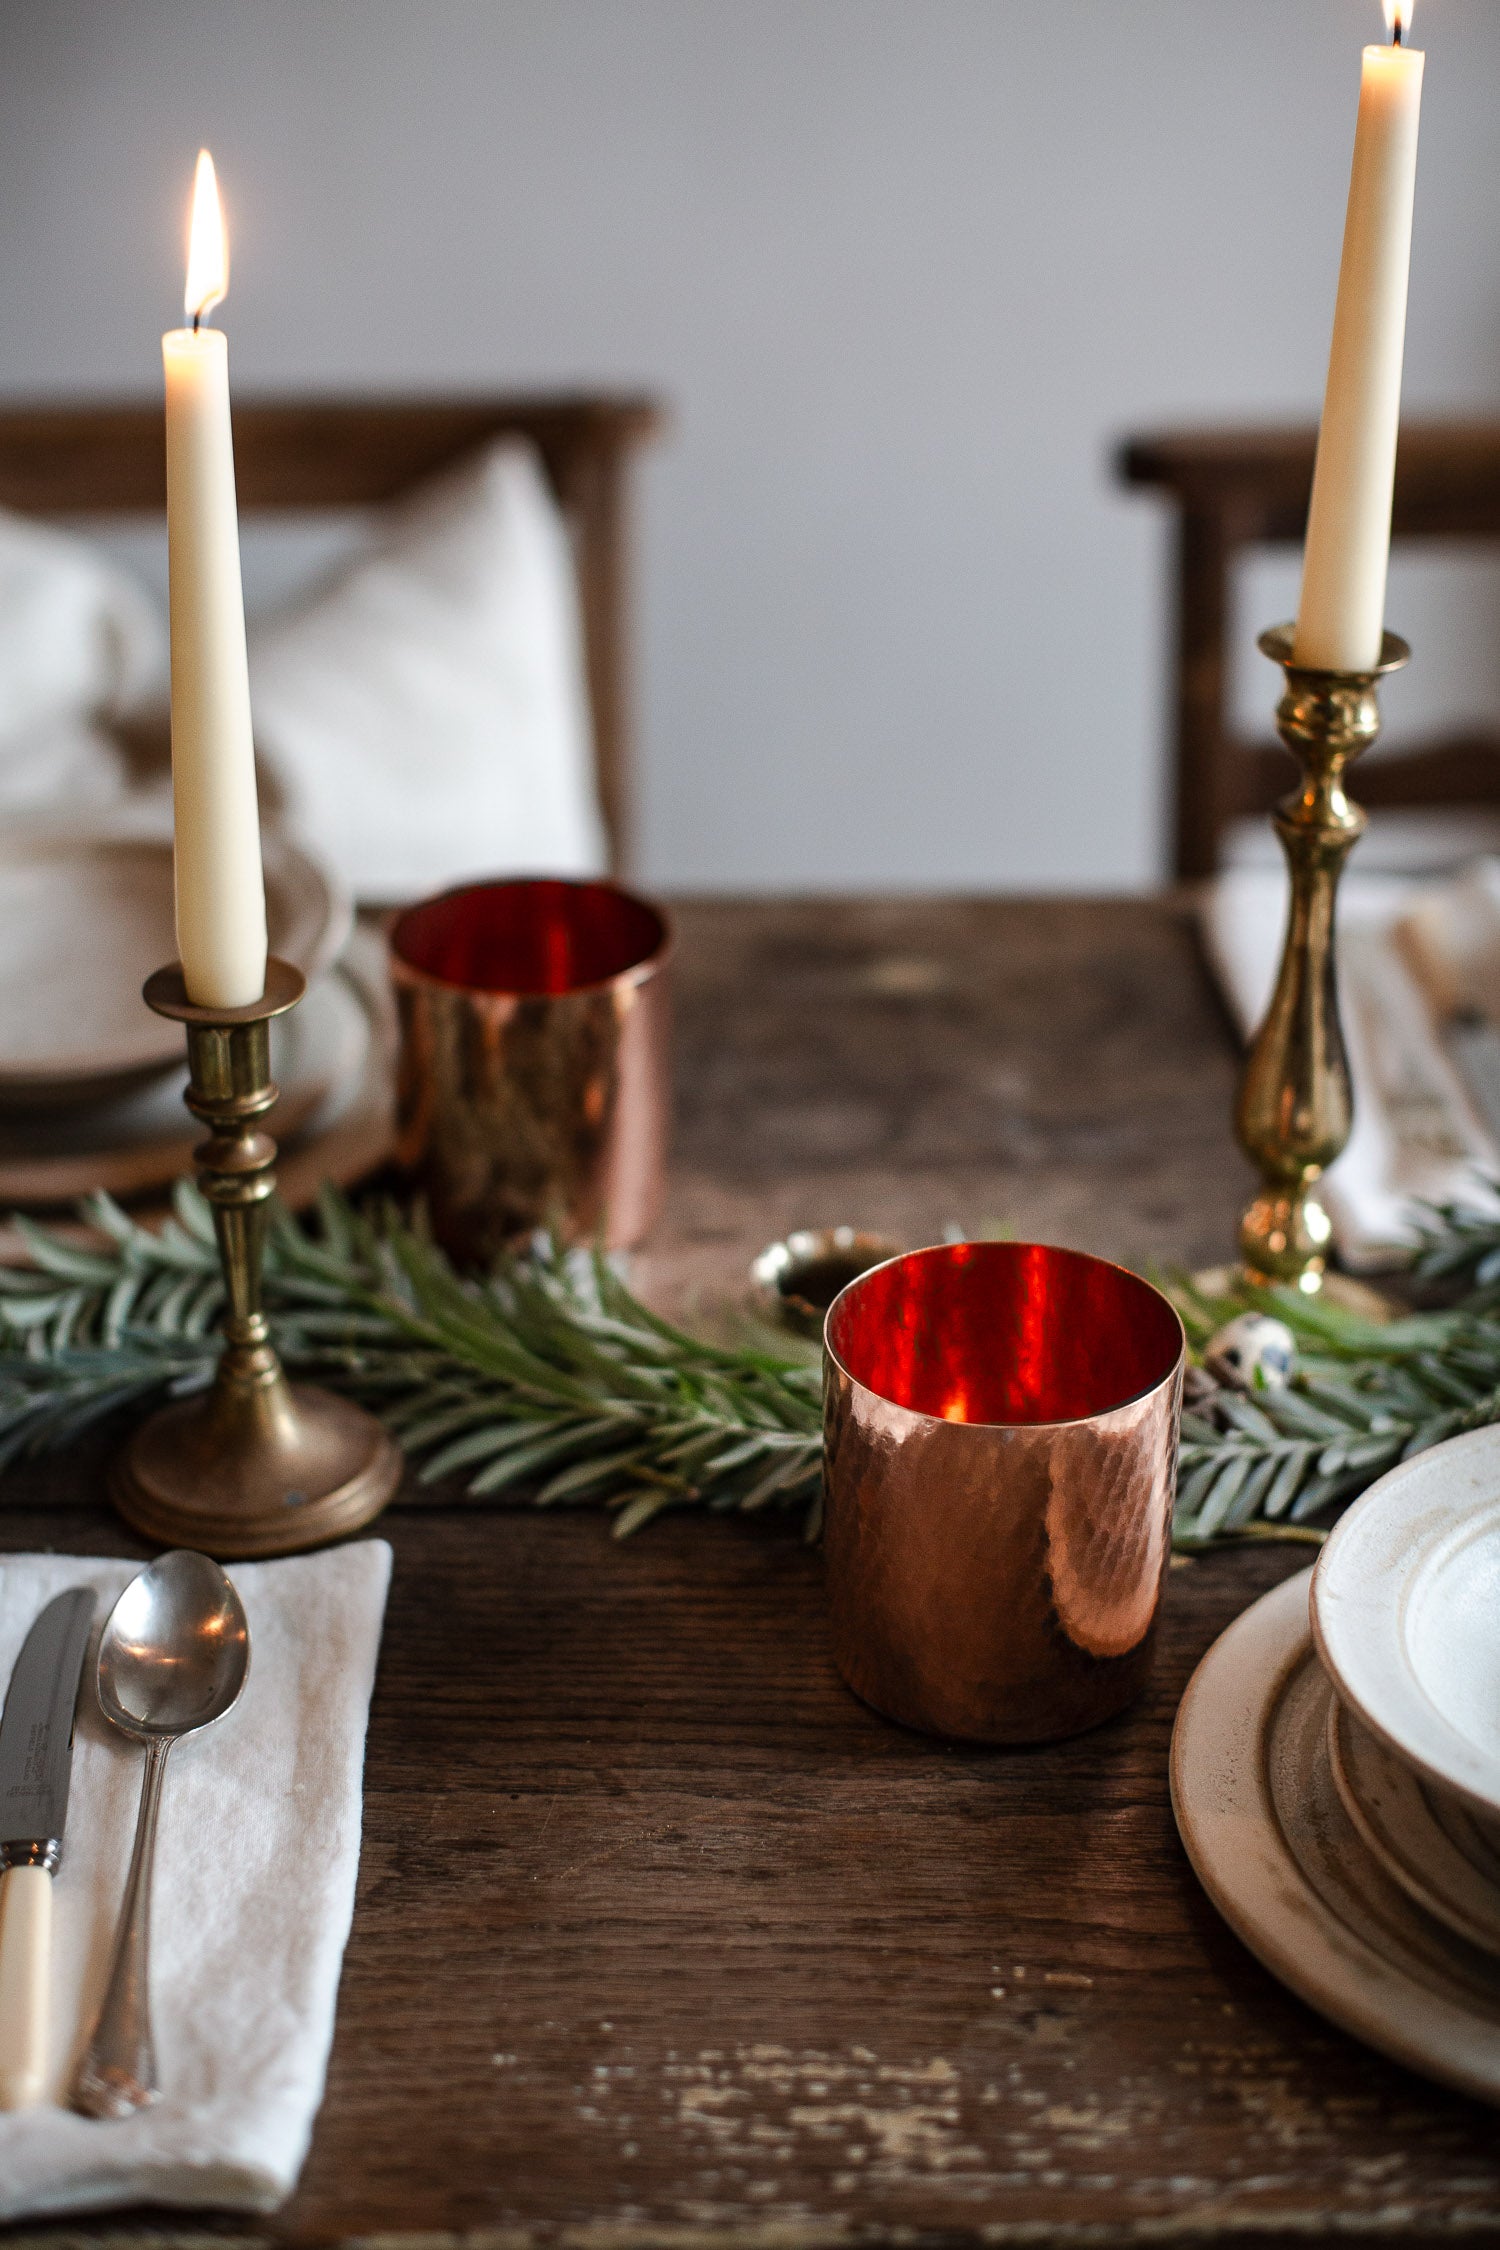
81 645
256 1859
1418 1135
78 636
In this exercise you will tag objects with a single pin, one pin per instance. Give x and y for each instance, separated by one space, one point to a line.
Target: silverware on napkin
36 1761
173 1657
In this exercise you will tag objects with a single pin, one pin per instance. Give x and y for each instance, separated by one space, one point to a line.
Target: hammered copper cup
1000 1449
533 1081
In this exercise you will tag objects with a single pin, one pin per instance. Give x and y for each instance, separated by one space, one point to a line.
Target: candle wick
1396 32
196 318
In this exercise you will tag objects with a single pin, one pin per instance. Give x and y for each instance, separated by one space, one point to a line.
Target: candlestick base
255 1465
247 1469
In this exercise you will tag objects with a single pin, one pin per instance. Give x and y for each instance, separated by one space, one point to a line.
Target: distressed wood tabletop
663 1938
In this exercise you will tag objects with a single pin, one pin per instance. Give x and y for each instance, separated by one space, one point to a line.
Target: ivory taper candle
1342 614
221 899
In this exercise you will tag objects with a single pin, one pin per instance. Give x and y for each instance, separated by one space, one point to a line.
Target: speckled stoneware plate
1276 1852
144 1139
1431 1848
1406 1614
335 1140
84 919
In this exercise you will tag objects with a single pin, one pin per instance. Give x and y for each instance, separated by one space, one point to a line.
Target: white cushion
79 637
425 714
80 645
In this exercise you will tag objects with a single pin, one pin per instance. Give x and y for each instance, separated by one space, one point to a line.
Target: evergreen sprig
1363 1397
1459 1244
548 1374
551 1378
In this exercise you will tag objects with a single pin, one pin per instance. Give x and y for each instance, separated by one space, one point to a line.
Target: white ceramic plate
1444 1864
1406 1612
84 919
1276 1852
144 1139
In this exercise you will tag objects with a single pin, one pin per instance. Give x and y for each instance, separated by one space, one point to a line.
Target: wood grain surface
663 1938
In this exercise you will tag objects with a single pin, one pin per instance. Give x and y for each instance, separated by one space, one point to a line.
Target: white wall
905 269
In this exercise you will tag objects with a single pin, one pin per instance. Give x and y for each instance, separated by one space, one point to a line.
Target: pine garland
1362 1398
551 1379
548 1375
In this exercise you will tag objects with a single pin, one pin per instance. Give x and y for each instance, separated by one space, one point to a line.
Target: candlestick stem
229 1089
255 1465
1296 1105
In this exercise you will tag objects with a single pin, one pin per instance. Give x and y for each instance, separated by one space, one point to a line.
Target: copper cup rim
940 1422
635 972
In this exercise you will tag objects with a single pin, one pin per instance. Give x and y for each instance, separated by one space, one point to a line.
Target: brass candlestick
254 1465
1295 1106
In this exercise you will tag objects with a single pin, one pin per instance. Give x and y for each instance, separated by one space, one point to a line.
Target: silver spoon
172 1659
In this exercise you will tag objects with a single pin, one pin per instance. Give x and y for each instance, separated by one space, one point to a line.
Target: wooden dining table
661 1937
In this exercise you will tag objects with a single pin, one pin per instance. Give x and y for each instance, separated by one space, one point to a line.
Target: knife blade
36 1762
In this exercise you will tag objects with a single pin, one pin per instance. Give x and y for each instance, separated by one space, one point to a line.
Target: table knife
36 1759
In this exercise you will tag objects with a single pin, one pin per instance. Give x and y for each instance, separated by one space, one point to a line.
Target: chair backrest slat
333 453
1235 489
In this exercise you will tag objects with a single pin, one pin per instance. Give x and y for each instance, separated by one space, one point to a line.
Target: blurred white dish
1444 1864
84 919
145 1139
1406 1612
1278 1855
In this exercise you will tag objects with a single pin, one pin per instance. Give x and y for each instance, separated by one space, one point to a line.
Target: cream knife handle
25 1962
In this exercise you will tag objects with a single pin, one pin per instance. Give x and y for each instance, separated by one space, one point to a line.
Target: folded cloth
425 716
78 634
1450 933
1418 1134
1425 840
81 646
64 773
254 1889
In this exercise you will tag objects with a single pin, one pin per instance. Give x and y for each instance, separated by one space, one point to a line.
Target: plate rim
1234 1844
319 915
1357 1628
45 1182
1383 1841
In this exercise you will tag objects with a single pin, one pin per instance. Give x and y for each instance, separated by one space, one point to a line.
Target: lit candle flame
208 245
1398 15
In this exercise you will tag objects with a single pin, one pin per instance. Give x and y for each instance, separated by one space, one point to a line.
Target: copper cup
1000 1451
533 1083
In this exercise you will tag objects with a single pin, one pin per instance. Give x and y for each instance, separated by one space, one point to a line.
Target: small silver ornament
1253 1352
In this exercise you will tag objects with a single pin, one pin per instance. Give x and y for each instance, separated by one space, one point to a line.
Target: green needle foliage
548 1376
1364 1396
551 1381
1461 1246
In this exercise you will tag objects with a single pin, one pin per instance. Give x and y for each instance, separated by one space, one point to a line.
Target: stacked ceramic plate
1336 1769
91 1082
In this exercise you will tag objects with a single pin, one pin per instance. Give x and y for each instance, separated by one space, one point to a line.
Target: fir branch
1364 1396
1459 1243
548 1375
549 1380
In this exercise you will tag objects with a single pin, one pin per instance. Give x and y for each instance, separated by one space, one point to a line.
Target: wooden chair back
1235 489
353 453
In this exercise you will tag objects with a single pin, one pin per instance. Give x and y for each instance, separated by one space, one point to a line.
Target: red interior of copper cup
1010 1332
532 936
